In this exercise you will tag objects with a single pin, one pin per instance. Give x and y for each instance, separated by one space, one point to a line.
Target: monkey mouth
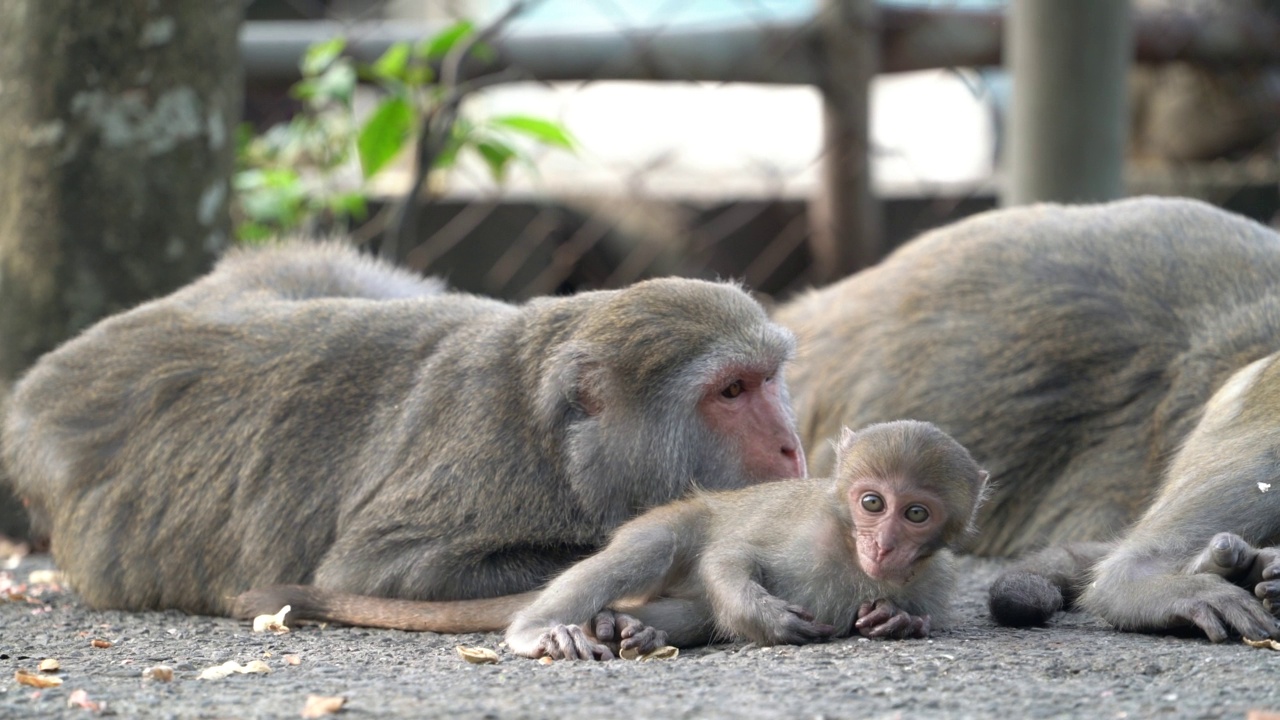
893 572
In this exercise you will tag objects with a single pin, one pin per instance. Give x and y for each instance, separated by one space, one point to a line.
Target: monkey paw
883 619
629 632
1231 557
787 624
570 642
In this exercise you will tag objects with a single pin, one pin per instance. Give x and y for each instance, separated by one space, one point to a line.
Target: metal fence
708 145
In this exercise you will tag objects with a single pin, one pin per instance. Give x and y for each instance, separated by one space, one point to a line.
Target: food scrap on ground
272 623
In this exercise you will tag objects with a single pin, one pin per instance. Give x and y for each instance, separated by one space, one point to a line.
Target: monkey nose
795 457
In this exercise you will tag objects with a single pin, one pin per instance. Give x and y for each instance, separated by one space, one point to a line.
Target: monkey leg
1152 586
1034 589
634 564
882 618
683 622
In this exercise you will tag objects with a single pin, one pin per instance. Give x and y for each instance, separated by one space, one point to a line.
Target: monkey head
906 490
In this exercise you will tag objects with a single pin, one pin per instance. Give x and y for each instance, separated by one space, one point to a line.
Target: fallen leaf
666 652
544 660
50 665
45 577
218 672
36 680
80 698
1265 643
321 705
100 643
272 623
477 655
162 673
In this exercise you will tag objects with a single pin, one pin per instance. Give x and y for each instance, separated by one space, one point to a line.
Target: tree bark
116 147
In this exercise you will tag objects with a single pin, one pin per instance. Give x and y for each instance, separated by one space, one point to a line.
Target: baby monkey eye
917 513
736 388
873 503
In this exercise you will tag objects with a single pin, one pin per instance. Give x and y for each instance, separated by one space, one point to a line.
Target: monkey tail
308 602
1036 588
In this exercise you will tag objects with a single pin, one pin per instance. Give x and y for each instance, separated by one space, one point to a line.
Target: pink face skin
894 525
748 408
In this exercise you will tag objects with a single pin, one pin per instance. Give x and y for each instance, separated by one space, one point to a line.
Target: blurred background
552 146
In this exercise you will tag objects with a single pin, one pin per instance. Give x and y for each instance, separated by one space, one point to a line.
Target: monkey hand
787 624
1231 557
629 632
883 619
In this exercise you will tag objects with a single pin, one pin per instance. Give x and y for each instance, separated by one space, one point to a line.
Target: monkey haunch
305 415
1114 367
792 562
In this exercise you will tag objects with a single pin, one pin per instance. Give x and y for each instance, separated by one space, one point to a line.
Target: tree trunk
116 146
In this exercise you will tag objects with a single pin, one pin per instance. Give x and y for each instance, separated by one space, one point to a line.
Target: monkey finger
926 623
1267 590
878 616
1230 552
891 627
644 640
800 612
571 643
604 624
1270 561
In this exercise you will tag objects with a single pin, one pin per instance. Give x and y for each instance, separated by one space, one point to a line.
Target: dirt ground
1076 668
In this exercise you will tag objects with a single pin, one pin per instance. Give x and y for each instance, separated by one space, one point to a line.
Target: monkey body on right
1114 367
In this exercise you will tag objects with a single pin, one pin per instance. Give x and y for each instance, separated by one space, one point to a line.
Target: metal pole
1068 127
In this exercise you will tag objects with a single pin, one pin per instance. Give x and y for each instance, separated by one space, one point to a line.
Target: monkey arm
742 607
635 563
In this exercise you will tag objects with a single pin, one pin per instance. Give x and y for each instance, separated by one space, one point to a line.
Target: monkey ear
847 437
571 382
846 440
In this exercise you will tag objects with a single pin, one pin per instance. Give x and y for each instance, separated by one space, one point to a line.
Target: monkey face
896 525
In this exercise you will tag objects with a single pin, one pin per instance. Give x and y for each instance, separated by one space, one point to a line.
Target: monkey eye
872 503
736 388
917 513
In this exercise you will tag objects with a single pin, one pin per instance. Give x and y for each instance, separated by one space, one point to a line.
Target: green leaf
443 42
352 204
497 155
545 131
384 134
321 55
337 83
394 62
253 233
270 196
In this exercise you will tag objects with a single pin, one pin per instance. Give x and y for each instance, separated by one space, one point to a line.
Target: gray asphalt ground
1076 668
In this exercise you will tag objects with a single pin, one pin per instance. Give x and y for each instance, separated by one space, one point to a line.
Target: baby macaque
794 562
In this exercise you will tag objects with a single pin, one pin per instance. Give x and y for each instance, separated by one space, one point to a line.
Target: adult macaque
306 415
867 551
1114 367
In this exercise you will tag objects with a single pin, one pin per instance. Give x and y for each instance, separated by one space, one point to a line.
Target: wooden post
844 214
